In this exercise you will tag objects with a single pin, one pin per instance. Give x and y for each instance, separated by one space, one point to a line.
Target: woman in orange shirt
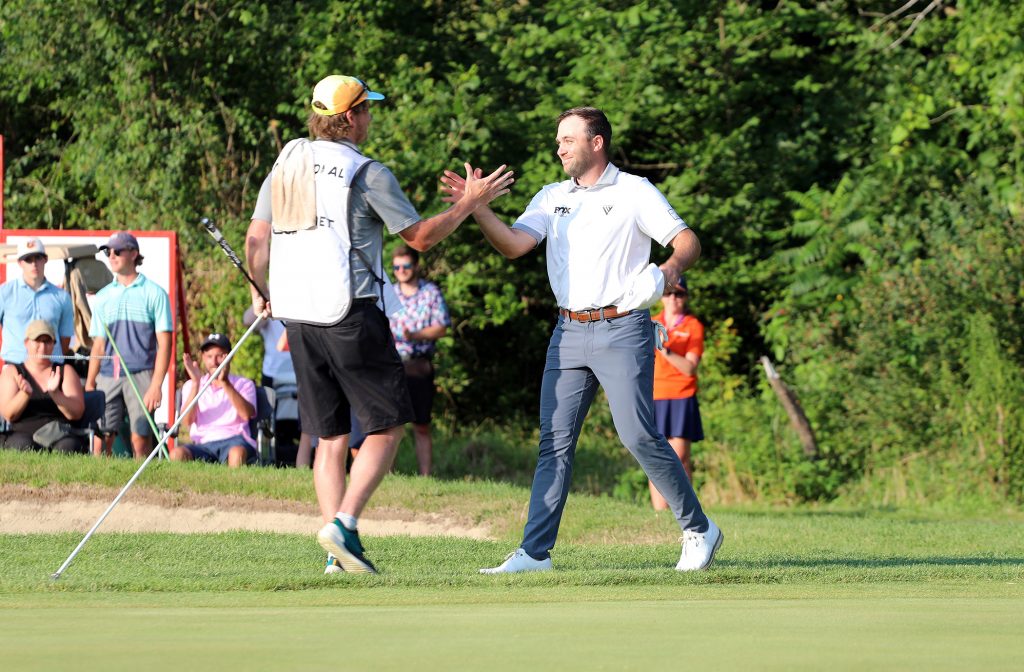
675 380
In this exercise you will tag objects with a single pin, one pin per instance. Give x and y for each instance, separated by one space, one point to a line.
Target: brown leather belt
606 313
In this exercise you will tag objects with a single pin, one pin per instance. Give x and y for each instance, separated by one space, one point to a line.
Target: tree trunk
793 409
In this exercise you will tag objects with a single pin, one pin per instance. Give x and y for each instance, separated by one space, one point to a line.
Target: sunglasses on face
45 340
678 295
116 253
33 258
402 267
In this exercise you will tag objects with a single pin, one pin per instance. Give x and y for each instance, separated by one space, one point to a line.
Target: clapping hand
54 381
192 368
23 384
222 379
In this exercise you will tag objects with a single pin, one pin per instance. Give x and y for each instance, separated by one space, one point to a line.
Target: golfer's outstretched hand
475 187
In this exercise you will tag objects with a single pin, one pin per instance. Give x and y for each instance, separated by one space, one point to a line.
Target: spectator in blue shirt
32 297
137 312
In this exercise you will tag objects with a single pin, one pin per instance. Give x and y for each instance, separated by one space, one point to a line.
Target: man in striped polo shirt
137 313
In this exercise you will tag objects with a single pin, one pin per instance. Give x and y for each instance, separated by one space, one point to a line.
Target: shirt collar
344 141
140 279
42 287
608 177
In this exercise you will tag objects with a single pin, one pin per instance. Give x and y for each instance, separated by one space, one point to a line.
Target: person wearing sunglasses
39 397
137 313
318 228
32 297
416 328
676 411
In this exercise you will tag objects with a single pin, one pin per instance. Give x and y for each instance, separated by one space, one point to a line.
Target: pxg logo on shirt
562 210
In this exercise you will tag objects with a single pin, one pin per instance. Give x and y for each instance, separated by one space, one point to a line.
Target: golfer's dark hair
406 251
334 127
597 124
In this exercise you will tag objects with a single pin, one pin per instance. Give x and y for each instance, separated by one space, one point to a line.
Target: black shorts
349 367
422 391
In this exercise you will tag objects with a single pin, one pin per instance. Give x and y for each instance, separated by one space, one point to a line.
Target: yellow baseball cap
335 94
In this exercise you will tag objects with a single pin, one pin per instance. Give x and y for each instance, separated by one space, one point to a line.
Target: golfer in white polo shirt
599 225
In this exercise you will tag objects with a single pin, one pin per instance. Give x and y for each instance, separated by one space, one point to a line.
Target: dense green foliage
855 173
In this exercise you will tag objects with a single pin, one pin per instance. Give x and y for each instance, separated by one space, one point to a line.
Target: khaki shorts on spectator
120 396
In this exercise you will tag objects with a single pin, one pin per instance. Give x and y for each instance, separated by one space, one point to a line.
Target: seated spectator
40 397
219 428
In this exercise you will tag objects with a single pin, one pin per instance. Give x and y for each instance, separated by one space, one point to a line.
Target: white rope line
75 357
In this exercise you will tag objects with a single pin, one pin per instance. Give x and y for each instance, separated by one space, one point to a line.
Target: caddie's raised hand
480 190
453 185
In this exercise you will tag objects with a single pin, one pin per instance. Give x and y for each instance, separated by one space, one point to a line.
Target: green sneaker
333 566
344 543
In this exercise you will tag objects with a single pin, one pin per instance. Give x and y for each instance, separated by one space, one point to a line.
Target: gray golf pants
617 354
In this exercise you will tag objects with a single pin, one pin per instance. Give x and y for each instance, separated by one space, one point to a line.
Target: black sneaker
344 544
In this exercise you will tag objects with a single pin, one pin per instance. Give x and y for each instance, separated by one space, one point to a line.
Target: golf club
156 451
224 245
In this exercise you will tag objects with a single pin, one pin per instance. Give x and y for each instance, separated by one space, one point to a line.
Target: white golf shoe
699 548
519 561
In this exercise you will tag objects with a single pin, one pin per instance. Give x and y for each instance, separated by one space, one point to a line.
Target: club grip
212 228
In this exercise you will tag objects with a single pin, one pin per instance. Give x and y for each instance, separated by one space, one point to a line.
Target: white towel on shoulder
293 189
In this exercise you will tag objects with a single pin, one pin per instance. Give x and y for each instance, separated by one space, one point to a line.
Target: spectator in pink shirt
220 421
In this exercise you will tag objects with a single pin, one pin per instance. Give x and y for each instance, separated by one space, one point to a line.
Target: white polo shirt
599 237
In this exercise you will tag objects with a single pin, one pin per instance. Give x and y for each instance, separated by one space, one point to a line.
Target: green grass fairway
721 632
792 589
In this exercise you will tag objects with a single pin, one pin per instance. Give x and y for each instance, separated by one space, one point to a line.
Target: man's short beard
579 166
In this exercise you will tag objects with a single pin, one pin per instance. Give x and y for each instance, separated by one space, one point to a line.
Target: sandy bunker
63 508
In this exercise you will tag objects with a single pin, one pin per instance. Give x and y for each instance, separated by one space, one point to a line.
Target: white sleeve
655 215
536 217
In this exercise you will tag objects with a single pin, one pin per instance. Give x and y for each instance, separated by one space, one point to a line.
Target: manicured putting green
780 634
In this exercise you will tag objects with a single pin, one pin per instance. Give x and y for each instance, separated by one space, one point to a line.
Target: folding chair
264 424
286 424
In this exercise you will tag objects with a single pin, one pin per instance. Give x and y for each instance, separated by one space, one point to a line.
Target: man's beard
579 165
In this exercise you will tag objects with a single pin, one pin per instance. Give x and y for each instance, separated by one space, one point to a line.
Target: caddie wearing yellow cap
318 226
